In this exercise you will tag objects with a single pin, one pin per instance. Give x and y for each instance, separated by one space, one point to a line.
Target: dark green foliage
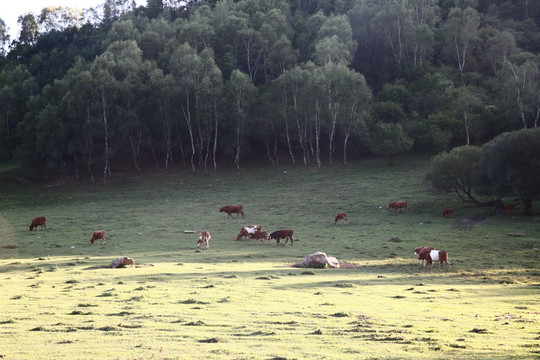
145 87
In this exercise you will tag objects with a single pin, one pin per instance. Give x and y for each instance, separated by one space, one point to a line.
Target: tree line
202 82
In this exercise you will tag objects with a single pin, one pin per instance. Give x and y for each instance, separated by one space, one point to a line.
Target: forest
199 84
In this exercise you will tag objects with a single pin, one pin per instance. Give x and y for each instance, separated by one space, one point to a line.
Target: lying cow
421 250
282 234
204 239
260 235
448 212
341 216
40 220
233 209
434 255
401 205
99 235
247 231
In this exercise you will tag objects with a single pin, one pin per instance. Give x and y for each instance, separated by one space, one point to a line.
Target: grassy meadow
238 300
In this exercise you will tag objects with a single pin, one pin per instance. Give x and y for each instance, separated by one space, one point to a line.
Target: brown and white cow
401 205
434 255
248 230
39 221
341 216
282 234
448 212
204 239
99 235
260 235
233 209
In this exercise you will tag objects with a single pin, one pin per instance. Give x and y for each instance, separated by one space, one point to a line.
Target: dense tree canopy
202 82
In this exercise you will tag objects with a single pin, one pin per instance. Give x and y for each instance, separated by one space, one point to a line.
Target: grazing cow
263 235
434 255
282 234
204 239
448 212
402 205
421 250
40 220
248 230
233 209
99 235
509 208
341 216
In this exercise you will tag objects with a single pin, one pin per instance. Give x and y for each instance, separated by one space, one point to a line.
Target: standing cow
401 205
341 217
99 235
39 221
247 231
204 239
233 209
282 234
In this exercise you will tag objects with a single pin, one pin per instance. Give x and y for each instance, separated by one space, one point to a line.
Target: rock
122 261
395 239
320 260
516 233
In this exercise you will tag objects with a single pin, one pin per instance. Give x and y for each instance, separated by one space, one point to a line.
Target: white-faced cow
341 217
248 230
204 239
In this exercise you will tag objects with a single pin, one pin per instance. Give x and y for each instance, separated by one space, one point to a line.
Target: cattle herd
426 254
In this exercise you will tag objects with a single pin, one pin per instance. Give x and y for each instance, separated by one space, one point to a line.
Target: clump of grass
211 340
398 297
208 286
193 301
340 314
478 331
17 297
10 321
136 298
267 277
84 305
344 285
38 328
107 328
106 294
232 276
307 273
72 281
457 346
78 312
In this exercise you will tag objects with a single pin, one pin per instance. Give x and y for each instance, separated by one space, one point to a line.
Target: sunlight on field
239 300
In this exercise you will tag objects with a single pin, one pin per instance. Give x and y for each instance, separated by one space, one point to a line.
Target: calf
40 220
341 216
204 239
233 209
401 205
282 234
248 230
263 235
421 250
99 235
448 212
434 255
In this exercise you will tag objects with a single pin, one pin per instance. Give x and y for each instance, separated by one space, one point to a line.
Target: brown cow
40 220
341 216
233 209
448 212
434 255
99 235
509 208
421 250
263 235
204 239
402 205
248 230
282 234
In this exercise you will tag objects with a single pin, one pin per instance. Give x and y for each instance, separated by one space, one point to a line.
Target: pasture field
238 300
